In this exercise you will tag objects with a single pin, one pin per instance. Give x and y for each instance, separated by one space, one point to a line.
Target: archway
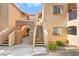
25 30
18 33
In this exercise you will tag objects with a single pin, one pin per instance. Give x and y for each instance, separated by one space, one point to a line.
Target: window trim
72 12
60 31
57 9
70 29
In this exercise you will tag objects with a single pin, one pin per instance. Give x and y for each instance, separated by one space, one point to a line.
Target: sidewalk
65 51
39 50
25 49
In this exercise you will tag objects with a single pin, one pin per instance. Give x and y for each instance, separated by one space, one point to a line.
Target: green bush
59 43
51 47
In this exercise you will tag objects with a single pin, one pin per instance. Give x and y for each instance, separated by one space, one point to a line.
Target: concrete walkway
39 50
17 50
25 49
65 51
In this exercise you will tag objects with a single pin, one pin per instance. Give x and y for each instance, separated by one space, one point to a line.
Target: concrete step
41 39
39 42
39 45
5 42
4 45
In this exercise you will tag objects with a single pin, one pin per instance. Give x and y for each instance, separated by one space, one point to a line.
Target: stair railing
45 34
5 33
34 35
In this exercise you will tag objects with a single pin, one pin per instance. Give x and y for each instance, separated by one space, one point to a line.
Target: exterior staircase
5 43
39 41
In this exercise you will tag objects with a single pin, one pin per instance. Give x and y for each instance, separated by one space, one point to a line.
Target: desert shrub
51 47
59 43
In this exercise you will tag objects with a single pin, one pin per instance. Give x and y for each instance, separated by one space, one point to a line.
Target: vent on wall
72 30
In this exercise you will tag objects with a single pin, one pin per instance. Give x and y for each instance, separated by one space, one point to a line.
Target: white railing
34 35
5 33
11 38
45 34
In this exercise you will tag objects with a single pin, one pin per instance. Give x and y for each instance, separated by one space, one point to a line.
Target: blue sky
31 8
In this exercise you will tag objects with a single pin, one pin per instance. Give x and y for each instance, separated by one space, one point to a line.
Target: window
72 30
72 14
56 9
57 31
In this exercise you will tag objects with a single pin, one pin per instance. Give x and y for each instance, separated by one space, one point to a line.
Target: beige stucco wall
14 14
9 14
55 20
74 39
3 16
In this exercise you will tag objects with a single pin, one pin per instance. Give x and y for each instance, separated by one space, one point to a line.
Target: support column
18 36
31 32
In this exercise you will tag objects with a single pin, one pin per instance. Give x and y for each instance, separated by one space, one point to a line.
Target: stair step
5 42
4 45
39 40
39 43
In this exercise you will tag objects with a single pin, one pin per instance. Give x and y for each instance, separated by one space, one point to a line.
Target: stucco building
9 14
61 22
56 21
